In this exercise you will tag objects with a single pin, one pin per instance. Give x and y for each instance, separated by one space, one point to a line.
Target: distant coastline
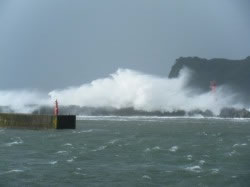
232 74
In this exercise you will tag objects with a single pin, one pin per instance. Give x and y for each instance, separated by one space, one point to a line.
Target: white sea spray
122 89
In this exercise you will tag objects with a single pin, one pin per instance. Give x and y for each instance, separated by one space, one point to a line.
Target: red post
213 86
56 110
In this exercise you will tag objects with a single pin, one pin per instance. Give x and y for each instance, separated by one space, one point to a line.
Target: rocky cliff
233 73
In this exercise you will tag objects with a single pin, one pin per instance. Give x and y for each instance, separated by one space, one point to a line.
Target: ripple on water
202 133
67 144
2 131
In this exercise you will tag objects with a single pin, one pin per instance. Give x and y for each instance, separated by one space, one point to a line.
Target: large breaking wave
127 88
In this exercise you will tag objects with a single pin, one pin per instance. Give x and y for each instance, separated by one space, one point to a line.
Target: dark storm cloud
54 44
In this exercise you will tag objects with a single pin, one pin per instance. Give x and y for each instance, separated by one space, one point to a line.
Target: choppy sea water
129 151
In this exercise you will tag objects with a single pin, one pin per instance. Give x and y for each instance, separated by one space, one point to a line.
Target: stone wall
35 121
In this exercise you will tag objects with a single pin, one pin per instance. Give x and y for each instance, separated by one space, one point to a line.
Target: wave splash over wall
128 88
23 101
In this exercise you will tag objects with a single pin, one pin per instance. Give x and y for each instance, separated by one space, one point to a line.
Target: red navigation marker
56 110
213 86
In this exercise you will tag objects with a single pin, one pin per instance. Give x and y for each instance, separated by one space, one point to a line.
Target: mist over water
127 88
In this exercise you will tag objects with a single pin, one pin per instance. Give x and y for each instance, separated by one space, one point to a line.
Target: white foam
100 148
15 171
77 173
220 139
156 148
113 141
152 118
146 177
189 157
232 153
204 133
196 169
238 145
72 159
86 131
169 171
53 162
215 171
174 148
61 152
202 162
67 144
17 142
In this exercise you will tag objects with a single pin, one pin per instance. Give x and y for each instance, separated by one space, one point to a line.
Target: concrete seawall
29 121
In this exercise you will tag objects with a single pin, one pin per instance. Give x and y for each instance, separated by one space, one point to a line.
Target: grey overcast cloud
48 45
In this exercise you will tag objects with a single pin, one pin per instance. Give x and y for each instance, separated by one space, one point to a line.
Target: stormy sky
51 44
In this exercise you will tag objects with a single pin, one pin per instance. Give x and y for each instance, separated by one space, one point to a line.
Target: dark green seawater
129 151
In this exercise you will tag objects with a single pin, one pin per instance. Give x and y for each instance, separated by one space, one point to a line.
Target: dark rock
234 113
206 113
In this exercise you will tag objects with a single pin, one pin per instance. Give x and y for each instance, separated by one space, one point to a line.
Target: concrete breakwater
30 121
